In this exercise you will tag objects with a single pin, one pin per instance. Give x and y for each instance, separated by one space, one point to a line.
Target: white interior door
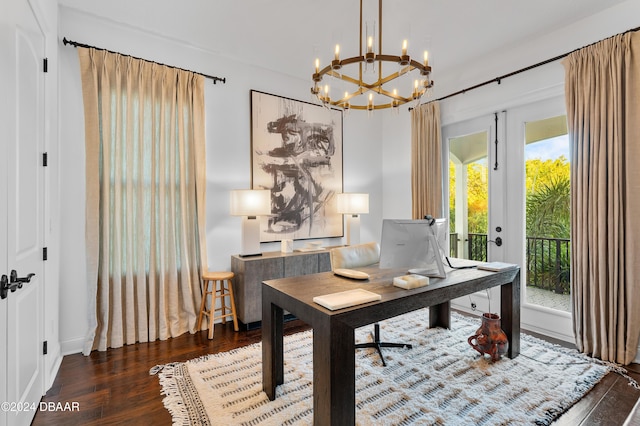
22 215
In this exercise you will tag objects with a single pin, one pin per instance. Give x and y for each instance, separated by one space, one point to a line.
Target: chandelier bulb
404 58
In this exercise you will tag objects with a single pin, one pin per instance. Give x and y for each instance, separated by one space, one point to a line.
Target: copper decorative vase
490 339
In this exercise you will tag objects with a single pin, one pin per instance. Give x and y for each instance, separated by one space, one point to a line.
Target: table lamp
250 203
353 205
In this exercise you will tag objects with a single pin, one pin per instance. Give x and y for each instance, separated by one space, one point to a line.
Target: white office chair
358 256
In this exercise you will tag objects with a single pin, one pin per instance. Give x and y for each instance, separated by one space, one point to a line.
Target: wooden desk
333 331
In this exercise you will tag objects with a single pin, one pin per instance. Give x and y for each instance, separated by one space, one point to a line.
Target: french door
538 145
474 205
504 170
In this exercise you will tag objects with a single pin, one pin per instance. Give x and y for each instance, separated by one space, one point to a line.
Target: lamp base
353 229
250 236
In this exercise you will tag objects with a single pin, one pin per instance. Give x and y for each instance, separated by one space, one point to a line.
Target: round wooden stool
217 285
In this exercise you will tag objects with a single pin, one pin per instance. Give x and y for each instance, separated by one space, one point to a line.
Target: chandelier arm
352 60
344 78
358 92
367 108
393 76
391 95
423 68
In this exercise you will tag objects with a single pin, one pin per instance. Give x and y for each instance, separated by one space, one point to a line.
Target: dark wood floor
114 387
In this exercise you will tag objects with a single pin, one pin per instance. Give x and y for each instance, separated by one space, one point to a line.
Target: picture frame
296 153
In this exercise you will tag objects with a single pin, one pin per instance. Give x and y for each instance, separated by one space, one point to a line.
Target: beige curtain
145 198
603 112
426 161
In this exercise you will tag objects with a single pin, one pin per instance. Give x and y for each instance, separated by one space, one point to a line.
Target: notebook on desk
497 266
345 299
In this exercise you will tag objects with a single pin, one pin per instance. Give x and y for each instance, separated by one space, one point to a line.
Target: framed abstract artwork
296 153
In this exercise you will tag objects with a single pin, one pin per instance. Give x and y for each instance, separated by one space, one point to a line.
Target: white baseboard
73 346
53 372
546 332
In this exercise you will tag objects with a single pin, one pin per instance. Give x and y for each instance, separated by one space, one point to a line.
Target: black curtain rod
76 44
530 67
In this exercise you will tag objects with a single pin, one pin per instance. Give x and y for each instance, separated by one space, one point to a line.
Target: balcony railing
548 260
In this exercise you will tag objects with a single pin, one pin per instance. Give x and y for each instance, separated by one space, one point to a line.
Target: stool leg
223 307
233 305
212 308
203 304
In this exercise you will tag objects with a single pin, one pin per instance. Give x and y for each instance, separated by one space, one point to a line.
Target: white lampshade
250 202
353 203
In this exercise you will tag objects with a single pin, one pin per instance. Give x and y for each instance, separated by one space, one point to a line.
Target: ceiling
287 35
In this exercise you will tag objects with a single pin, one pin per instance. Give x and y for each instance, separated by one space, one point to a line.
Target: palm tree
548 217
548 212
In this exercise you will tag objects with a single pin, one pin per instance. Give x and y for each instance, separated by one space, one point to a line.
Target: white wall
228 150
617 19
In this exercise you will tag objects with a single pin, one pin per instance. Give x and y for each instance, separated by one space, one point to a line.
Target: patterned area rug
441 381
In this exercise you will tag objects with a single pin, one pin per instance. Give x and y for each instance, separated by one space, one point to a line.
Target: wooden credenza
251 271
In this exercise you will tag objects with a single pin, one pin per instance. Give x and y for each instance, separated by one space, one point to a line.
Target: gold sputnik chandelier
362 96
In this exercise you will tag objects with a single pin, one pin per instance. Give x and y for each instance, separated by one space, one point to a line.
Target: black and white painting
296 153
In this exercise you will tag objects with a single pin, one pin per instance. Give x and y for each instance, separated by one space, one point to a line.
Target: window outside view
548 222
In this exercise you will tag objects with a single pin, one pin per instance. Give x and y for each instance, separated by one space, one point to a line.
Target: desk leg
510 314
440 315
272 347
334 377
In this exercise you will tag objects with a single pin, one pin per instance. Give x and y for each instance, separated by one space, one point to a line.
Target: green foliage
477 196
548 209
548 198
548 195
548 217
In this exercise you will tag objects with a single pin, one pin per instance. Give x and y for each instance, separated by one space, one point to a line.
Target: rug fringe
618 369
173 401
156 369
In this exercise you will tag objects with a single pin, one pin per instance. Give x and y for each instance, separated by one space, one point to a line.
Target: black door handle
12 283
497 241
14 278
4 287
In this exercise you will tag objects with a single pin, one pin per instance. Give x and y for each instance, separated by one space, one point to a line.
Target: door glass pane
547 159
468 196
